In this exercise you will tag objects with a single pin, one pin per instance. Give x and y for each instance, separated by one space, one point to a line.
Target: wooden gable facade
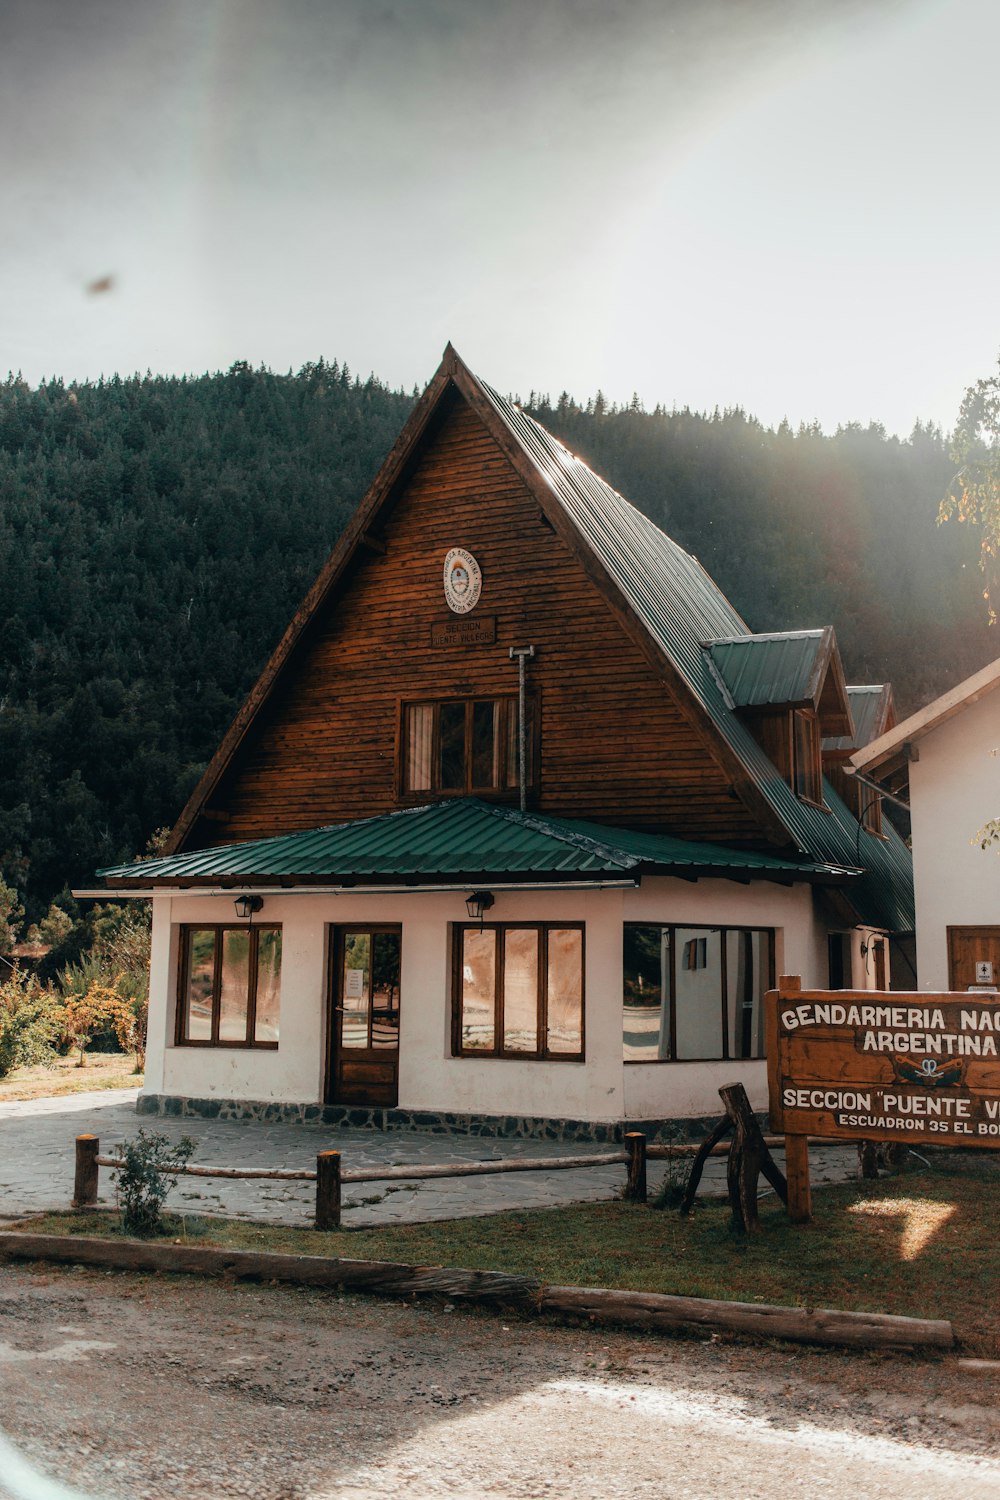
615 740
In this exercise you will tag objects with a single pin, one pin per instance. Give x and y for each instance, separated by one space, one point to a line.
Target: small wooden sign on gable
467 630
885 1065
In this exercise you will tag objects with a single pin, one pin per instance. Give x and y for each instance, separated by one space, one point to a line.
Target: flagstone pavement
37 1161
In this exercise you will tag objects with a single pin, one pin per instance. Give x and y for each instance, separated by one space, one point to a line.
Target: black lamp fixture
246 906
478 903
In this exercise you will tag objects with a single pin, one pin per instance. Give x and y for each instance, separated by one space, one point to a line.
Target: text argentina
914 1029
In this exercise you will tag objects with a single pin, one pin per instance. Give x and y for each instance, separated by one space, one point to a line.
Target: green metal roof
779 668
866 706
681 607
462 839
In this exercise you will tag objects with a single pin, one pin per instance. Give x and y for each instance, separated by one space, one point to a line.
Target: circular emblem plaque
463 581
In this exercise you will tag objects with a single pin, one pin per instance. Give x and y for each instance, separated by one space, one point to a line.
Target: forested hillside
157 533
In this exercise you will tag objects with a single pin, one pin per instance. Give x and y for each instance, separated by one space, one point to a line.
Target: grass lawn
102 1070
923 1244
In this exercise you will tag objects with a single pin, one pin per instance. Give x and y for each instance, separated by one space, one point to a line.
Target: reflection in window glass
268 1009
201 983
232 986
478 989
706 985
697 992
564 994
355 990
235 986
646 1016
385 988
520 989
535 973
747 981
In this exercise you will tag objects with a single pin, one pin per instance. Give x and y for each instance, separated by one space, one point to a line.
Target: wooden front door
973 958
364 1026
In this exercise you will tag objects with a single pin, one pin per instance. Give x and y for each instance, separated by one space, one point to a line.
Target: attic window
807 771
461 746
871 810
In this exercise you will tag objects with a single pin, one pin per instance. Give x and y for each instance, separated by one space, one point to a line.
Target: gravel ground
152 1387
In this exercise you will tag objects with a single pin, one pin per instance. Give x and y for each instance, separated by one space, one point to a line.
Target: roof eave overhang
896 741
465 880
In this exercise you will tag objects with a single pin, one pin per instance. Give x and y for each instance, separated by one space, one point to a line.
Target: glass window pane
698 993
485 745
748 975
564 991
235 985
355 990
385 989
520 990
806 779
200 980
268 985
478 989
645 1013
451 723
419 746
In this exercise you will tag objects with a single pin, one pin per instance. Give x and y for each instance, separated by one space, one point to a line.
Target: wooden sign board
465 630
885 1065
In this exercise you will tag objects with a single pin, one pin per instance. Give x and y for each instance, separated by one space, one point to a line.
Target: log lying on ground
801 1325
389 1277
646 1310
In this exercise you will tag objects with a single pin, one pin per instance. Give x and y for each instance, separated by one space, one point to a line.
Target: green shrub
149 1171
29 1021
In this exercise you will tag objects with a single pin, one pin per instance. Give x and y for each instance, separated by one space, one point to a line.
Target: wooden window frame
541 1052
813 773
723 932
183 968
871 811
509 706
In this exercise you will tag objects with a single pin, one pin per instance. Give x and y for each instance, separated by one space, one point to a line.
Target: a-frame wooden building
522 817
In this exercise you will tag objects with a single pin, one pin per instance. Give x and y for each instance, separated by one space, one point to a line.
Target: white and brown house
944 763
519 823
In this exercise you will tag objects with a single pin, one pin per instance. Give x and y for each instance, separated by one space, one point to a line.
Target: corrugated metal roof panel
777 668
681 607
458 838
866 709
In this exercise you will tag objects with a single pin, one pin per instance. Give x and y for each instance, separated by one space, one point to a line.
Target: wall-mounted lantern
478 903
246 906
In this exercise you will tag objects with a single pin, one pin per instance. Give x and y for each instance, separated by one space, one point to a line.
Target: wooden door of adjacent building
363 1066
973 958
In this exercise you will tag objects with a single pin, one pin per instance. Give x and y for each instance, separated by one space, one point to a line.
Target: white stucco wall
954 790
600 1088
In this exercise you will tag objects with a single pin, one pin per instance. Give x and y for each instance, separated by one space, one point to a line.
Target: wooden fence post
797 1173
328 1190
635 1155
88 1149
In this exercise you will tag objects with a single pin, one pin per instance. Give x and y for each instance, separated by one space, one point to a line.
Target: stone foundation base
437 1123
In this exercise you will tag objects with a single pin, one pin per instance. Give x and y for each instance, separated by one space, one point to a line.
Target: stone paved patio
36 1165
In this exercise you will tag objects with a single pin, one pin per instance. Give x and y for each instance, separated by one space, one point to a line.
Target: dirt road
149 1387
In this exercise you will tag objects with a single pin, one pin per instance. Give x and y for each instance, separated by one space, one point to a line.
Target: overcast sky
789 205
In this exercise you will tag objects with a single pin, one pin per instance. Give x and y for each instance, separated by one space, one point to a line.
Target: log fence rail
329 1174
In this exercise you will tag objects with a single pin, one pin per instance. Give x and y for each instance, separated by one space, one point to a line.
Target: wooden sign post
875 1065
